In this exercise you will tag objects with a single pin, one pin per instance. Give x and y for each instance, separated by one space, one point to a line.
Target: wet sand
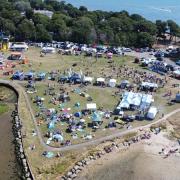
140 162
8 163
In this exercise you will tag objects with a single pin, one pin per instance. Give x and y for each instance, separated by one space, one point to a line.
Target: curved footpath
21 91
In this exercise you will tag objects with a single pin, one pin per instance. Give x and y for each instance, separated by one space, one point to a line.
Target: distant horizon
152 10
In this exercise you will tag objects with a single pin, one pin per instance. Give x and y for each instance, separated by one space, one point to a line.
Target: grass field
3 108
44 168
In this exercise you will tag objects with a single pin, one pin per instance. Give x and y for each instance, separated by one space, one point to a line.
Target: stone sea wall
26 172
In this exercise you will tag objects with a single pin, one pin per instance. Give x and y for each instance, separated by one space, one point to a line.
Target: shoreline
134 163
11 123
8 163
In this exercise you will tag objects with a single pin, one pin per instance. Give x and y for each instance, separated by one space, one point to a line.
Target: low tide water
8 164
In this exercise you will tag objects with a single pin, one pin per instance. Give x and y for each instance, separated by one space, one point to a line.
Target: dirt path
77 146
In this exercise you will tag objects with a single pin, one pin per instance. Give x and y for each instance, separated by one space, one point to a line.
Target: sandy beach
141 161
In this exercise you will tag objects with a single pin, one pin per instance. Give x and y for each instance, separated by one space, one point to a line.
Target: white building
44 12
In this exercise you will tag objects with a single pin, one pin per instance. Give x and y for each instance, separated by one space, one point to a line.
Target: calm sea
150 9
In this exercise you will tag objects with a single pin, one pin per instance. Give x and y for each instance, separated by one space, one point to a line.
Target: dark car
178 62
170 67
128 118
159 58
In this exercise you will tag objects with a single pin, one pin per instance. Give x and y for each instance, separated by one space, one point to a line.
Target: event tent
101 80
88 79
112 82
152 112
91 106
135 99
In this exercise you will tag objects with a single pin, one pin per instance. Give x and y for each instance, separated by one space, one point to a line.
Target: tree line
68 23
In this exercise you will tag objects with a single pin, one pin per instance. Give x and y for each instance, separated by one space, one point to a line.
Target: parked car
178 62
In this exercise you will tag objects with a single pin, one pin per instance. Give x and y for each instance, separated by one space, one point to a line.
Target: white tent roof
153 85
91 106
88 79
112 80
124 82
100 79
152 112
136 99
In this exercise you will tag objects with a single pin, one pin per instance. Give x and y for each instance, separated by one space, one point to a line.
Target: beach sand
140 162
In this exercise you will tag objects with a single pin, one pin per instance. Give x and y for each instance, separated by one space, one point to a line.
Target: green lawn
3 108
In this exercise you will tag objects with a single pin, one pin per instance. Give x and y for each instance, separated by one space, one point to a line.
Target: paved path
85 144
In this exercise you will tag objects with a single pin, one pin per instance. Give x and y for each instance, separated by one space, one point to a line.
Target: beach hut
152 113
112 82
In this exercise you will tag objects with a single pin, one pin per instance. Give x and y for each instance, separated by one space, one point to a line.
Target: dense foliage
18 20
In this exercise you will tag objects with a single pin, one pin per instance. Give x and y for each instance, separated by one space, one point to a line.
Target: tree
144 39
161 28
59 28
42 35
22 6
145 26
29 13
137 17
25 31
7 26
174 29
82 29
40 19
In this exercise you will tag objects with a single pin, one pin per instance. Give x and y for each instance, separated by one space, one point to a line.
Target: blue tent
78 114
59 137
18 75
53 117
96 117
75 78
51 125
29 75
77 104
41 75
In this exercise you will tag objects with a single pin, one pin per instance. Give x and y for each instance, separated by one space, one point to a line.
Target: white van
19 46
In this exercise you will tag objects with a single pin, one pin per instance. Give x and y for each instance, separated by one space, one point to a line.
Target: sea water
150 9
